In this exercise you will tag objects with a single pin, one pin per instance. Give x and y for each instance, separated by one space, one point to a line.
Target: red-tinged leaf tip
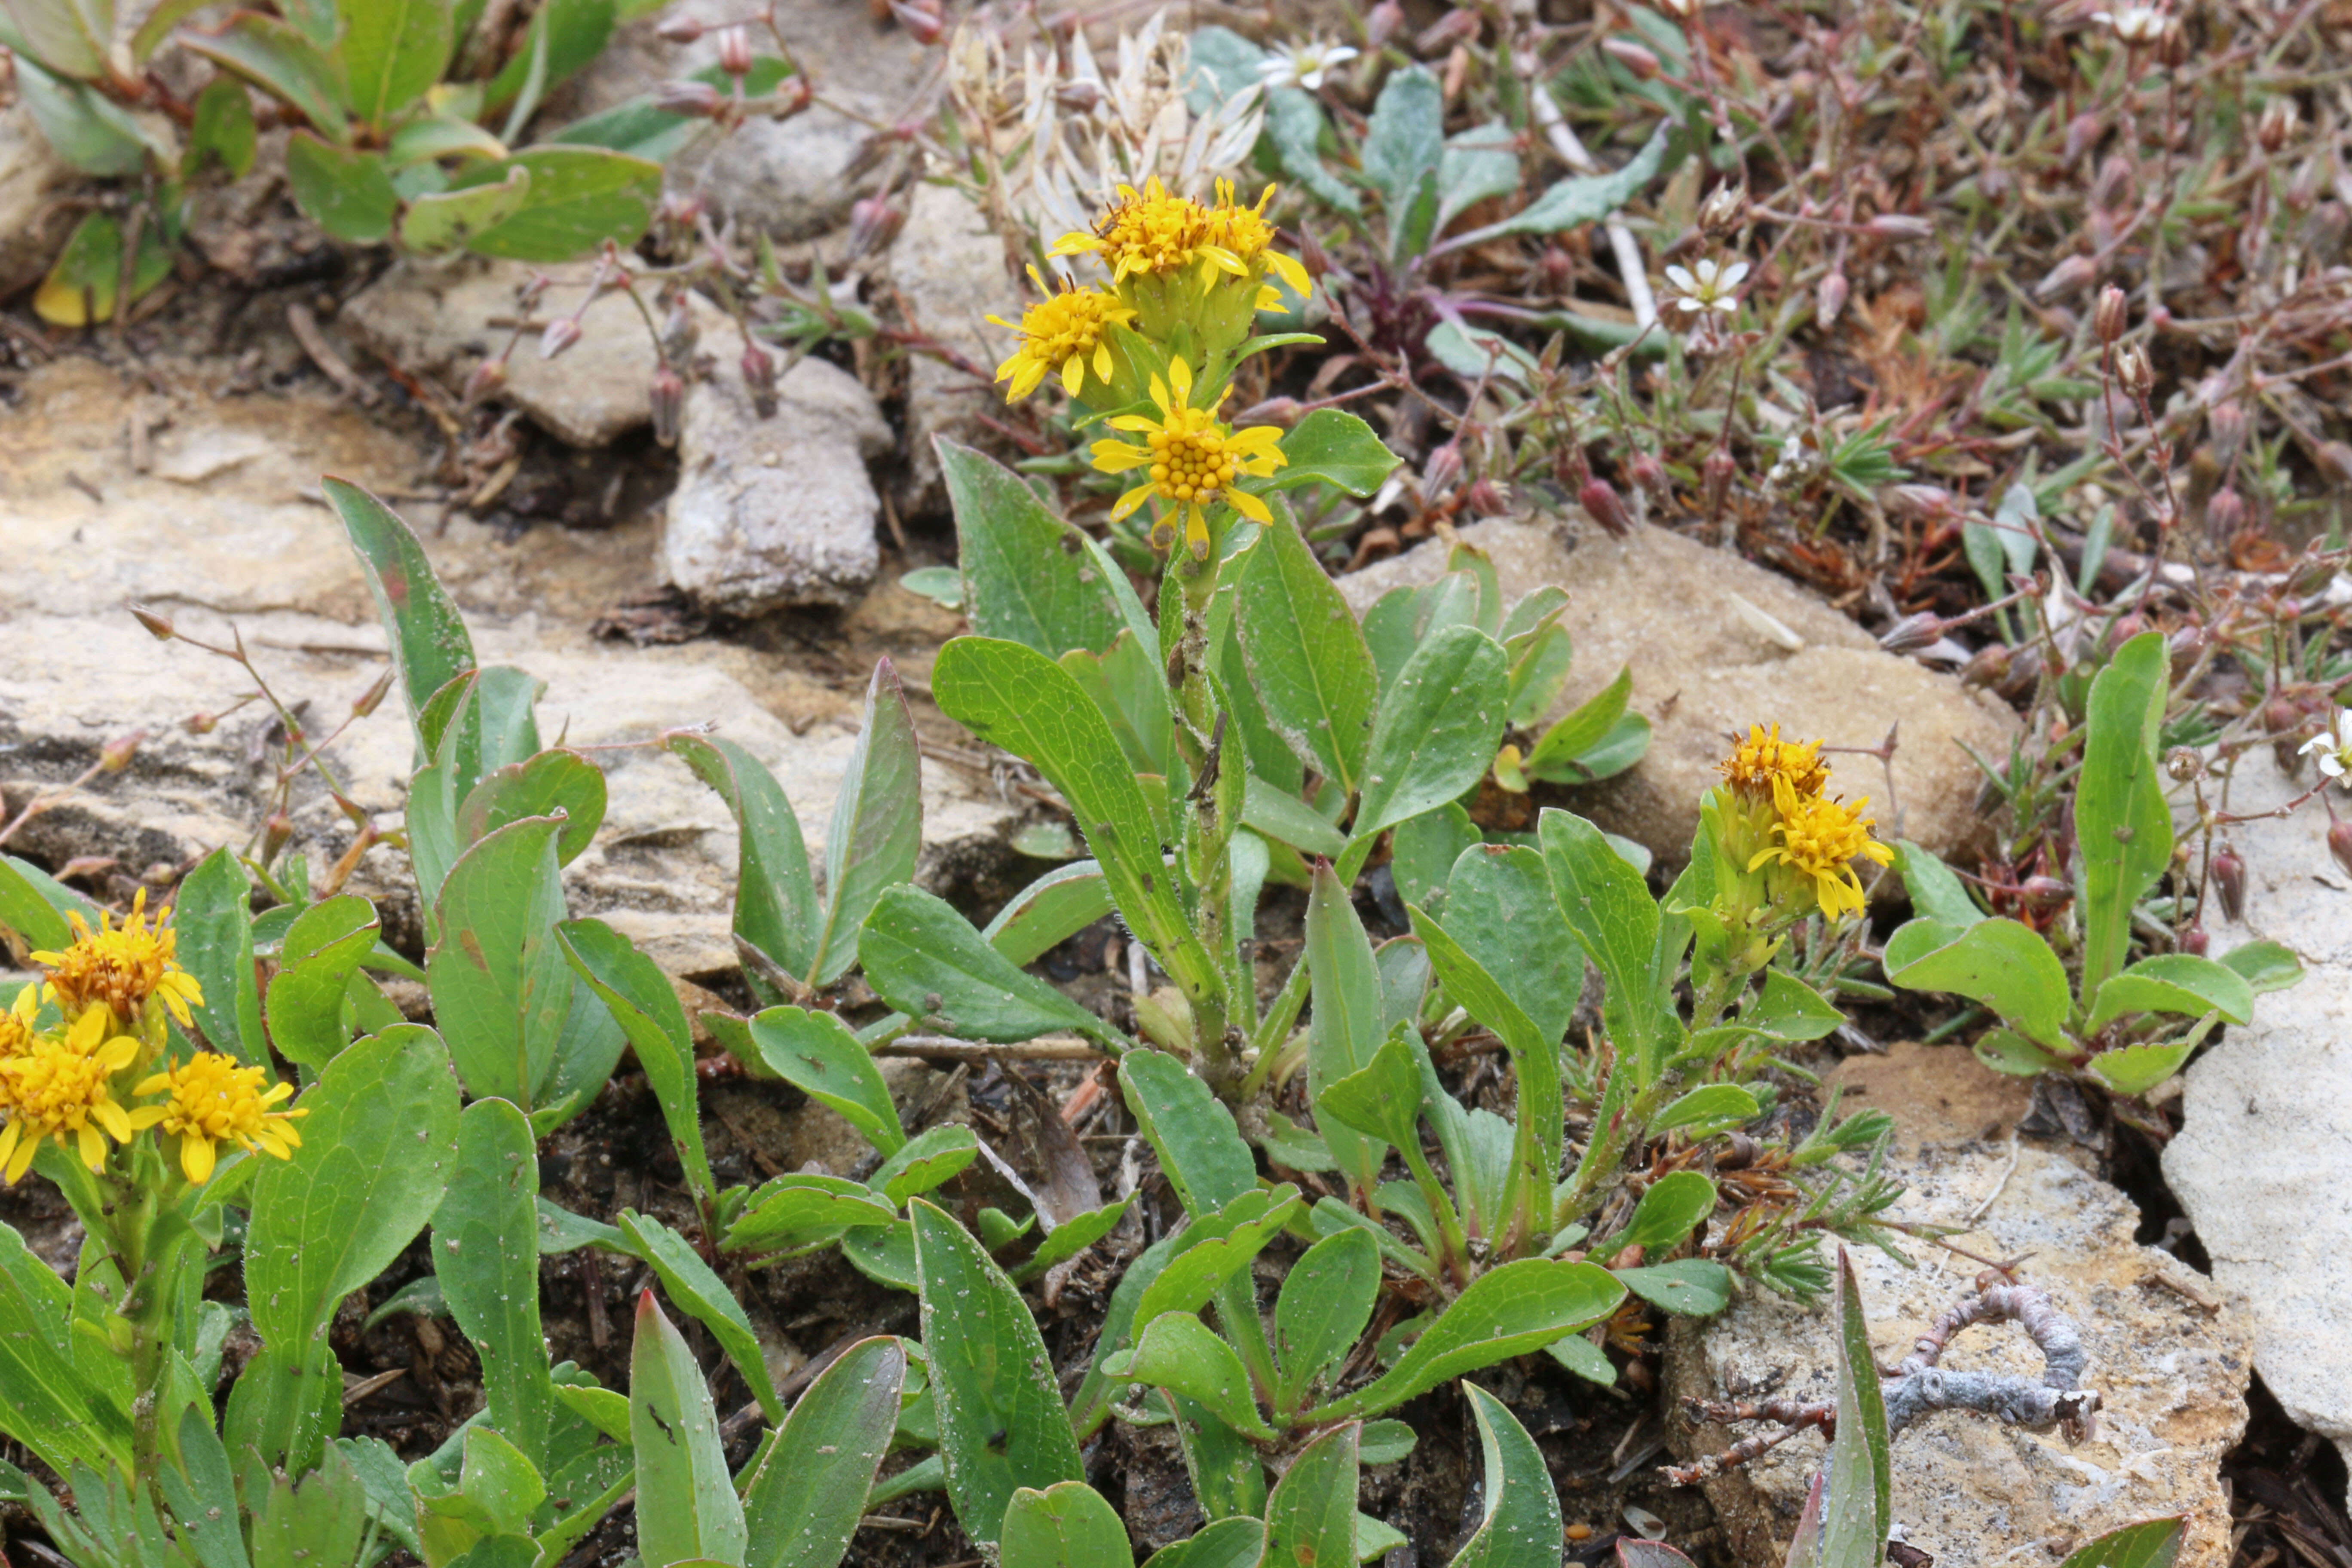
645 1305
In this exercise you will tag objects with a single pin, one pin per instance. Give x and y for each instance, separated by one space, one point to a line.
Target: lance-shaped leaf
1001 1424
1348 1023
877 829
1051 910
1327 1299
1334 446
542 785
2151 1544
486 1256
1858 1505
1688 1287
2006 965
1026 577
2122 826
1183 1354
803 1502
1068 1525
2173 982
1200 1148
802 1209
775 903
699 1293
1218 1246
1306 656
318 957
1381 1100
1310 1520
1607 905
816 1054
1674 1203
929 962
69 1398
686 1507
1521 1525
1436 729
1227 1543
647 1009
429 645
214 921
501 987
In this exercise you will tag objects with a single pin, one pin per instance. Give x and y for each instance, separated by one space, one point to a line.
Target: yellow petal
1119 457
1180 382
146 1116
1033 374
1159 393
1249 506
1255 439
155 1085
93 1148
1074 373
21 1160
196 1159
1138 423
1224 260
1102 361
1291 271
1077 242
277 1091
1196 532
111 1117
1126 503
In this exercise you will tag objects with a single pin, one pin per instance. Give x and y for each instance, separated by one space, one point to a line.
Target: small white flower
2138 26
2335 749
1709 286
1303 65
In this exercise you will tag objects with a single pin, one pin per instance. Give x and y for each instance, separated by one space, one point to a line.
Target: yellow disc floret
1063 334
213 1100
1759 762
120 966
1819 838
1190 459
63 1089
1244 231
1151 233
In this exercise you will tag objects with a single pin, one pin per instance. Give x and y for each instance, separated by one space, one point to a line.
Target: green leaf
2173 982
1348 1024
68 1395
1708 1109
1584 1358
81 286
1436 729
275 57
2122 827
926 960
426 634
775 902
1507 1311
1026 578
1049 910
1860 1509
378 1150
1403 144
223 129
501 986
1310 1520
1306 656
2136 1069
1183 1355
1632 1554
645 1006
391 52
1227 1543
69 36
1334 447
686 1507
1001 1424
1675 1202
1068 1525
1478 163
805 1209
572 32
803 1501
1555 755
1327 1299
1217 1247
1381 1100
213 917
927 1160
1285 818
1424 851
1200 1150
2006 1051
1579 199
319 954
1538 672
2002 964
1937 891
581 197
1521 1525
35 905
877 831
1072 1237
2151 1544
700 1294
1688 1287
485 1255
1016 698
1788 1009
2267 966
440 221
1610 909
816 1054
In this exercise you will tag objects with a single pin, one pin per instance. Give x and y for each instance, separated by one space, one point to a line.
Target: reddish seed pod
759 378
1079 96
1913 633
2225 431
1312 255
2229 883
2275 123
1444 465
1380 23
158 627
276 834
2194 941
1724 209
1715 480
791 96
2333 460
1607 508
696 100
679 29
2113 188
1456 26
2082 133
1829 298
2112 314
199 723
921 18
2045 892
2073 272
374 695
1901 225
2339 844
1633 57
116 754
1484 498
2133 373
735 50
873 223
560 334
1651 475
485 379
668 404
2225 514
1987 667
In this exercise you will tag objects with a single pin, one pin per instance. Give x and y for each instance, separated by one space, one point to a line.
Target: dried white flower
2334 747
1303 65
1709 286
2138 26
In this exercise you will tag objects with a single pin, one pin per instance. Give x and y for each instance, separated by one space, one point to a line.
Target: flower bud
1651 475
1723 211
560 334
116 754
1079 96
679 29
2225 514
1987 667
199 723
2133 373
1312 255
2229 883
2333 460
2275 123
873 223
2339 843
1444 465
679 209
2112 314
276 834
1715 480
1380 23
2225 432
696 100
353 810
668 404
1900 225
1913 633
2113 188
2183 764
735 50
2045 892
2082 134
1930 503
373 696
1829 298
921 18
793 95
1633 57
485 381
1606 507
158 627
1283 411
2069 275
1458 26
678 332
1486 498
2194 941
760 376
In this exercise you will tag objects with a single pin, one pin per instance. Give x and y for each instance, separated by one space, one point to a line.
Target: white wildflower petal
1689 306
1732 275
2332 765
1680 277
2319 743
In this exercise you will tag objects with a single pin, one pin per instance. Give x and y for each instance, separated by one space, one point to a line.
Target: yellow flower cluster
1190 459
1065 336
1781 787
66 1083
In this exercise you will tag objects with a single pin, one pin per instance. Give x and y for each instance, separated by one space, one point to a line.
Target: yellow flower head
1819 837
121 966
1152 234
1062 334
214 1101
1759 762
1244 232
1190 460
63 1089
16 1029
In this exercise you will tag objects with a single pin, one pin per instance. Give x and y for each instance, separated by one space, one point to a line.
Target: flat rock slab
947 268
1701 673
2267 1128
1967 1490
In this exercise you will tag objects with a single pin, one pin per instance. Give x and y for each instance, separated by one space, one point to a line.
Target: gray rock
1968 1489
775 511
2268 1117
1701 673
30 174
948 270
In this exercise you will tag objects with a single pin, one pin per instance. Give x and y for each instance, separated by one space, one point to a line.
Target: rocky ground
748 581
